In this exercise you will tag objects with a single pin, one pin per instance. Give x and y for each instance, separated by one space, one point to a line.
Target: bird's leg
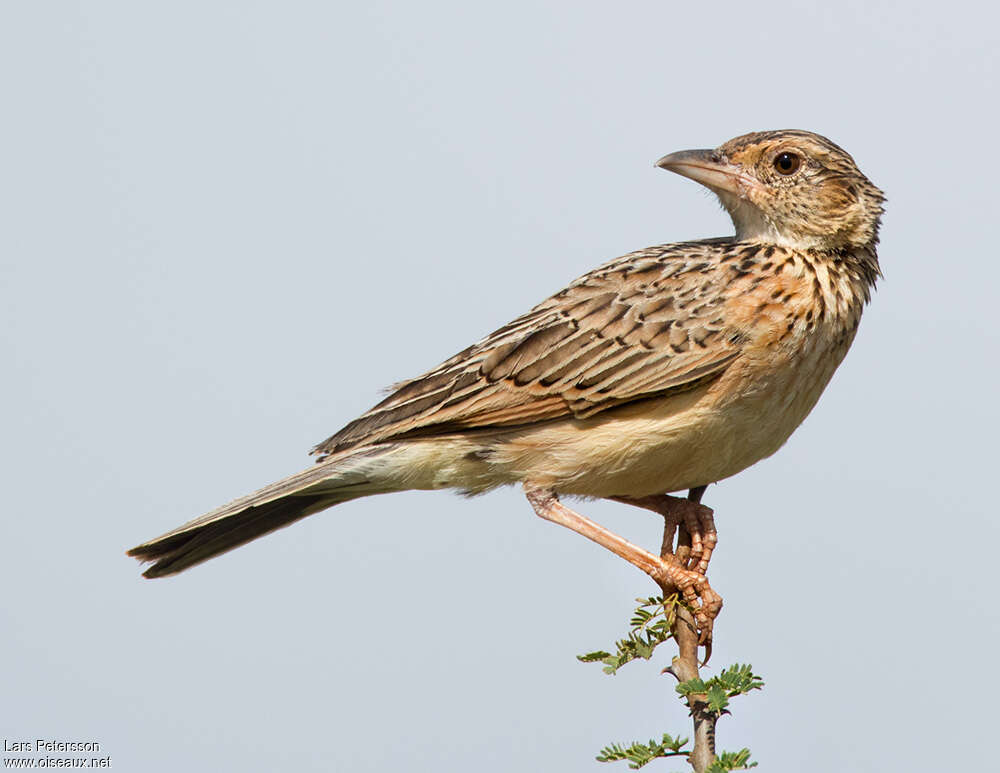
665 572
695 516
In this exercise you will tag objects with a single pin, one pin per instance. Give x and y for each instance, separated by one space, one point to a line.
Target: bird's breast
797 320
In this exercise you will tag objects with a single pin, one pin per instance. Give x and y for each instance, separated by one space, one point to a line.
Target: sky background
225 226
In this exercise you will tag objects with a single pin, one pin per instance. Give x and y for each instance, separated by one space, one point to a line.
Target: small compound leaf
717 699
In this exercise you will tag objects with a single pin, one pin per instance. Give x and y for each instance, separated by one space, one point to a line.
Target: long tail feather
339 479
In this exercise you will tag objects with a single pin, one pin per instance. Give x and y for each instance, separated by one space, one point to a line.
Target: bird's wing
647 323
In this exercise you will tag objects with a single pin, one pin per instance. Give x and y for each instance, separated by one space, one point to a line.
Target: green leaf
650 625
639 617
735 760
739 679
717 699
735 680
691 687
639 754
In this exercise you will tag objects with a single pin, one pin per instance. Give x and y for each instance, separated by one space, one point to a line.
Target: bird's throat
751 223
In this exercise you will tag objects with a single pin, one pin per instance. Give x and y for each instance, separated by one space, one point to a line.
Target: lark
664 370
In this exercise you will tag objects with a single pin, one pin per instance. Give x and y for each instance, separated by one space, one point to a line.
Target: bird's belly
679 441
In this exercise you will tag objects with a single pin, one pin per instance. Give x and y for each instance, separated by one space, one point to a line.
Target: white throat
753 225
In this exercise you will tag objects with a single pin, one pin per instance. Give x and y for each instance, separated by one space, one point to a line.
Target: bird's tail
345 476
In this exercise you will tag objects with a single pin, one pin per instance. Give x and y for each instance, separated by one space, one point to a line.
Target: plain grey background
227 225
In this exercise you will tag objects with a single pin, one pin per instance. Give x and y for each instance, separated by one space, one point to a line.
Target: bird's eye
787 163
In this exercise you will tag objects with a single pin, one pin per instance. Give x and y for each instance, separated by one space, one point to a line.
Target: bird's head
792 188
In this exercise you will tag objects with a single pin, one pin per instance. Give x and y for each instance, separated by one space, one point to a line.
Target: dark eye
787 163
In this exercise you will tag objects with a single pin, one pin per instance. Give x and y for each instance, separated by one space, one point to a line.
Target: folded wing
640 326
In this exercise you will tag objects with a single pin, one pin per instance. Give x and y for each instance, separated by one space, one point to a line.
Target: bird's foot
696 517
697 594
670 572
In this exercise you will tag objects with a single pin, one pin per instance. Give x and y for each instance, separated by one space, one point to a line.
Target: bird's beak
708 167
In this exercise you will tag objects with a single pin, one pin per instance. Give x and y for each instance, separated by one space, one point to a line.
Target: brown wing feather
644 324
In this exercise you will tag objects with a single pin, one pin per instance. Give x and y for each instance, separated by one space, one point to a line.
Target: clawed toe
698 519
700 523
704 602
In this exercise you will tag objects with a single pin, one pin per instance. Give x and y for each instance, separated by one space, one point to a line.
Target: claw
695 517
698 595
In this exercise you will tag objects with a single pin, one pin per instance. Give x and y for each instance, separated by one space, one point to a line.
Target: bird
669 368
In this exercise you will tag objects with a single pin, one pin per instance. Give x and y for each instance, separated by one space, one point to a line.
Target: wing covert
641 325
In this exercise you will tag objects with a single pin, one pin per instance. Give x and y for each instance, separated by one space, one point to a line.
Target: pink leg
696 517
694 587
